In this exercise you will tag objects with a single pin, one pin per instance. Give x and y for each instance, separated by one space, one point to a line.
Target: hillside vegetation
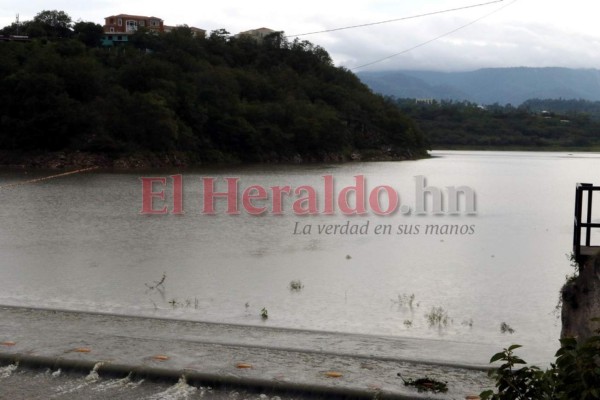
535 125
219 98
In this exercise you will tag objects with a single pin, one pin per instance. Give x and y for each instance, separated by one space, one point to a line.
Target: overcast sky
534 33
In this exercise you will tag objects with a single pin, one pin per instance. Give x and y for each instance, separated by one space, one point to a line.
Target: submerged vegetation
438 317
210 99
405 300
264 313
505 328
426 384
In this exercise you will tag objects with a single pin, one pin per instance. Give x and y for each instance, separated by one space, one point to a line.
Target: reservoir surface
80 242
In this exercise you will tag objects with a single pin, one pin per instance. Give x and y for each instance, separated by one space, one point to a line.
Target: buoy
333 374
160 357
83 350
243 365
8 343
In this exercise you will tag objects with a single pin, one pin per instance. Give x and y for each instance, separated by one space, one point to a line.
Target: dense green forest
216 98
565 107
535 125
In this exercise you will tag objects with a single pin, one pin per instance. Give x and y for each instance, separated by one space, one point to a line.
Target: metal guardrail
583 226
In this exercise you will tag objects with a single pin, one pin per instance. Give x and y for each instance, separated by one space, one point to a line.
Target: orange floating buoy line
78 171
8 343
160 357
243 365
333 374
83 350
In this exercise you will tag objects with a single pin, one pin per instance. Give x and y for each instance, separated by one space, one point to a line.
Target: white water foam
7 371
123 383
180 391
92 377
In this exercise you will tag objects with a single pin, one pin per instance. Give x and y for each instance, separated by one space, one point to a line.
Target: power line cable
435 38
396 19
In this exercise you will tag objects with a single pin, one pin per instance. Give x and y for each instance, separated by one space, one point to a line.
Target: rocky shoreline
65 160
76 159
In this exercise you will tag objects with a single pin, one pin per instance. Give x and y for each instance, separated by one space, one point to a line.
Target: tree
88 33
219 35
55 23
216 99
12 29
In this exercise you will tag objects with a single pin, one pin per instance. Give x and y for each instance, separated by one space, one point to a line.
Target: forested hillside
216 99
532 126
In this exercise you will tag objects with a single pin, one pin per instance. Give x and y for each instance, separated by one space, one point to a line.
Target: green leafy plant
569 278
576 374
296 285
578 369
563 294
517 384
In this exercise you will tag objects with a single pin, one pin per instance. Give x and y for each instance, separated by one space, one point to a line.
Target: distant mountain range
489 85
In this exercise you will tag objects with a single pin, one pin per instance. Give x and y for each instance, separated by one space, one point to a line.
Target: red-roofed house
118 28
125 23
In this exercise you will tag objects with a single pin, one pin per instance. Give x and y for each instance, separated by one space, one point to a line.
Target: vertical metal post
577 223
588 229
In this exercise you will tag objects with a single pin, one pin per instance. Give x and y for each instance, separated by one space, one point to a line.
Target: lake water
80 242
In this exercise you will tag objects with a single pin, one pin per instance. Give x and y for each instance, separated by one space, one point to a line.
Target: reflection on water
79 242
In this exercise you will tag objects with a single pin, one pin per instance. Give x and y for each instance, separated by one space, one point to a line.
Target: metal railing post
577 222
588 229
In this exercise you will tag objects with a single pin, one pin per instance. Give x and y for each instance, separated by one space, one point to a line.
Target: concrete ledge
210 354
197 377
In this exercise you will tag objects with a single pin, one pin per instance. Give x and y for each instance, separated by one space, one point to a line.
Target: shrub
576 374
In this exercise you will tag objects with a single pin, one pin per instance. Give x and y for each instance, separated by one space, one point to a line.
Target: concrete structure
15 38
196 32
326 364
111 39
258 34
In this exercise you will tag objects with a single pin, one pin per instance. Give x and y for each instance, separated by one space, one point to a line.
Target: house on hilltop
118 28
258 34
125 23
196 32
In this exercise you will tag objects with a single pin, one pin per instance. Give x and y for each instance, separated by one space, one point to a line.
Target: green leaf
496 357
